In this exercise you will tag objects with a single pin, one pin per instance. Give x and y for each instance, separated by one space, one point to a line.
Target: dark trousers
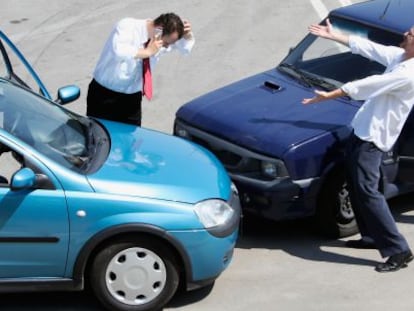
370 206
107 104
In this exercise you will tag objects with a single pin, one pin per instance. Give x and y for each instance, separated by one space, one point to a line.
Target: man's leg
373 208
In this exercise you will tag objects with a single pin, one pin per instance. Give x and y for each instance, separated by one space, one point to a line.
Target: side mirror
24 178
67 94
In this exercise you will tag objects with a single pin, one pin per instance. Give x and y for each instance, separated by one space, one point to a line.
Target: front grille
228 158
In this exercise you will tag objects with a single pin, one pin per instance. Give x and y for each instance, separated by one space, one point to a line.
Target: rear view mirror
67 94
24 178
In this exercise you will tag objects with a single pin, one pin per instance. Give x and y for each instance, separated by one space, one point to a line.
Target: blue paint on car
133 211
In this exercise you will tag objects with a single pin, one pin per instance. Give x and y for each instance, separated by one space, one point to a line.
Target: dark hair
170 23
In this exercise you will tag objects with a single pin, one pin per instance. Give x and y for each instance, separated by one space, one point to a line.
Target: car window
49 128
323 48
20 73
334 62
3 68
10 162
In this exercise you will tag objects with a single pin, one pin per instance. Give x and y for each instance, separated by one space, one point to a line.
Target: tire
134 275
334 215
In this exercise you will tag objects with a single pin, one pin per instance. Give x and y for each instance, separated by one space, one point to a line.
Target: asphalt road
276 266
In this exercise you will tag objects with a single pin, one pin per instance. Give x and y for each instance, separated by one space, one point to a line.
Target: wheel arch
334 168
103 238
334 223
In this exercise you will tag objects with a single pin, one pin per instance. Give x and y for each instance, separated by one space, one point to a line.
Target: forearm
341 38
142 53
334 94
327 31
322 96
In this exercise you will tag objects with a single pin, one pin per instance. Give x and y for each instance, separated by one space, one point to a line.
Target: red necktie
146 77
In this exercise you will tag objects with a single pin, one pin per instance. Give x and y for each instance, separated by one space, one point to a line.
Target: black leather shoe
395 262
360 244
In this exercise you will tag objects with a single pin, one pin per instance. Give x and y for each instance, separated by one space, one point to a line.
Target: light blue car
132 211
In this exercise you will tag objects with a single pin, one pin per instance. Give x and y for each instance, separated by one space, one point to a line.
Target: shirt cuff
354 44
349 89
185 45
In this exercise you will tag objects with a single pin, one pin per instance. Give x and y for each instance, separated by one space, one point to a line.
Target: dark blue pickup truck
286 158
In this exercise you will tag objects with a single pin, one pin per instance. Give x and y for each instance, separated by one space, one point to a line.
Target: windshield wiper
90 144
308 79
323 83
296 73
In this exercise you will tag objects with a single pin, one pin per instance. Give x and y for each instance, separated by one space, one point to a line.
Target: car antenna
386 9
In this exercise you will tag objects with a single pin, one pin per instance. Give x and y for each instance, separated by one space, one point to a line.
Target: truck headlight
273 169
218 217
181 132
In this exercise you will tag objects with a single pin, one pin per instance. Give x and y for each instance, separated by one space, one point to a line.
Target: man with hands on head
388 100
134 46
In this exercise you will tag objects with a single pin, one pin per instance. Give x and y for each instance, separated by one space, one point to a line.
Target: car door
15 67
34 228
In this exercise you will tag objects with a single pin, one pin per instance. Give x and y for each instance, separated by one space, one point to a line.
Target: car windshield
49 128
327 64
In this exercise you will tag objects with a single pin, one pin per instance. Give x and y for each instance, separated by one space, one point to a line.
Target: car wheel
334 215
134 275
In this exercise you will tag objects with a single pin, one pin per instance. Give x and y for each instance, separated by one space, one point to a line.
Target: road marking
320 8
345 2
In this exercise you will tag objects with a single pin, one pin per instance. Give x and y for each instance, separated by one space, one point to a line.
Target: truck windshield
328 64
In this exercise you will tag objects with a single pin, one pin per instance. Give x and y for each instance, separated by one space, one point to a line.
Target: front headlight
181 132
213 213
273 169
218 217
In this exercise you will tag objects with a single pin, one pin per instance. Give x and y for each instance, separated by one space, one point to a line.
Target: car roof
391 15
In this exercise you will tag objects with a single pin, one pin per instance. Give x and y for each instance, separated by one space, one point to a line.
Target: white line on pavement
320 8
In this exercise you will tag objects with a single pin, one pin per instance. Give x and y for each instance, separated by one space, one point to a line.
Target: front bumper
276 199
208 252
208 256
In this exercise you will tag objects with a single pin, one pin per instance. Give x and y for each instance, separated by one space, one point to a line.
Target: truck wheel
135 275
334 215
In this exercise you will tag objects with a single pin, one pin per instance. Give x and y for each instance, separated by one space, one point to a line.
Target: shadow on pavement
65 301
300 239
186 298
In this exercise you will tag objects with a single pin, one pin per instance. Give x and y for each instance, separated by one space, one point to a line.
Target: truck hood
252 115
151 164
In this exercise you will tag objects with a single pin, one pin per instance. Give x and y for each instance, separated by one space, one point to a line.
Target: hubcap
136 276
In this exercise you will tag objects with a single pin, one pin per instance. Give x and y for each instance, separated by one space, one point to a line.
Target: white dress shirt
117 68
388 97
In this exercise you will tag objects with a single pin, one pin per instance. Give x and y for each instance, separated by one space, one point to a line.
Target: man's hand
154 46
187 30
322 31
328 32
322 95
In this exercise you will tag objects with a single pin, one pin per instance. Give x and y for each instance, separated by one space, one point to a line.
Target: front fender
88 250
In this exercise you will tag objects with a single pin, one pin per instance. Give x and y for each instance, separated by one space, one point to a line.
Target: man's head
172 27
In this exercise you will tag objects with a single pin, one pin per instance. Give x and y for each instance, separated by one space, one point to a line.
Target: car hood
261 119
151 164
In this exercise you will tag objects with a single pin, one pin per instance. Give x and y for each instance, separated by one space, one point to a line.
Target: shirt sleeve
382 54
184 46
123 39
372 86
